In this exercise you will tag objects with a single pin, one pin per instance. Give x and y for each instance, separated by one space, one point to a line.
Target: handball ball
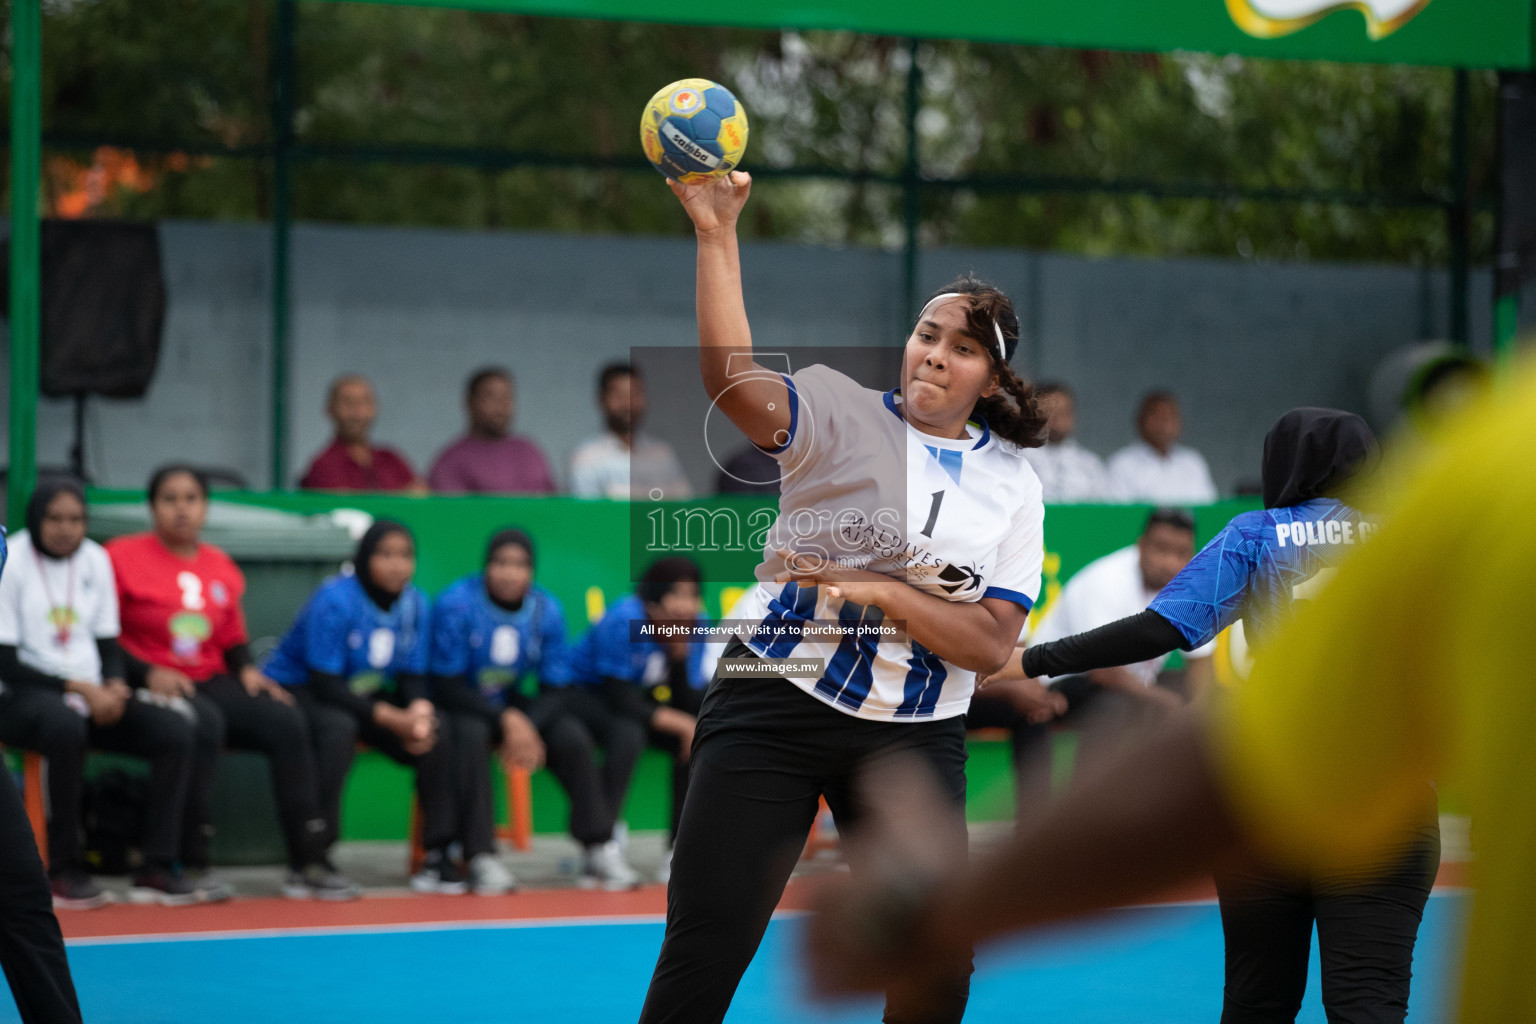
694 131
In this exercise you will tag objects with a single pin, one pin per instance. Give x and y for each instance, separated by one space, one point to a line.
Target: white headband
1002 348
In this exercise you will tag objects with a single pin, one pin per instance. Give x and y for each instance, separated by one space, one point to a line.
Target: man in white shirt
1156 469
1069 473
1120 583
62 690
622 463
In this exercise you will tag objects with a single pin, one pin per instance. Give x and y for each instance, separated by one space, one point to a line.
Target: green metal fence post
283 83
912 189
1460 212
26 245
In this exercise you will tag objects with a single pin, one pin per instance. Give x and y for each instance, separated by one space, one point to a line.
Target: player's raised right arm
755 398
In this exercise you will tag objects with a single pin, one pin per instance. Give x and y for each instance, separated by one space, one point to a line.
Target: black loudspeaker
1516 261
103 307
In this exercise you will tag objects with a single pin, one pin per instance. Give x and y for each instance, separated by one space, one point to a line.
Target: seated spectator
489 459
62 671
1155 469
621 462
356 660
352 462
183 636
1068 472
750 471
655 685
497 637
1121 583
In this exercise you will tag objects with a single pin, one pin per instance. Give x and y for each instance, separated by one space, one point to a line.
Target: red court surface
543 906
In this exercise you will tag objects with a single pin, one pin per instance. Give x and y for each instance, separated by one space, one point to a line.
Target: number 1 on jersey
933 513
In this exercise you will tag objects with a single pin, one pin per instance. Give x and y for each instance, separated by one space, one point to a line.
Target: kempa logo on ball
1269 19
685 101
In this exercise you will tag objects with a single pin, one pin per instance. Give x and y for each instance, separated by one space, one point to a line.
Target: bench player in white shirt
913 506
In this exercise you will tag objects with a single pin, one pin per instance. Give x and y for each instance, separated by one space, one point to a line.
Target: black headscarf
1314 453
48 489
499 540
380 529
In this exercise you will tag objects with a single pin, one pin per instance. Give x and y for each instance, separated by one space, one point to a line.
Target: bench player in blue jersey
904 560
656 684
1256 572
498 638
356 660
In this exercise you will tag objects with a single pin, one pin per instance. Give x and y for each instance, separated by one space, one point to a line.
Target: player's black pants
763 754
581 723
31 946
226 713
1366 928
336 731
35 718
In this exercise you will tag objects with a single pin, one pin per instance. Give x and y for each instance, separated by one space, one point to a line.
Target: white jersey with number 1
959 519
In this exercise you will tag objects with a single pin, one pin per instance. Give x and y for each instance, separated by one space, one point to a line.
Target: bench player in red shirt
184 639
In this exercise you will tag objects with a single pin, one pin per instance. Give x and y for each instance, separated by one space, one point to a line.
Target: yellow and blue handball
694 131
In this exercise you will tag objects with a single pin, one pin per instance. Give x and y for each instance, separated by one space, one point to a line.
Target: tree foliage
477 112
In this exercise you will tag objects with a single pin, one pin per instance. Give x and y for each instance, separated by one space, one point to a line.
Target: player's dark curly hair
1011 413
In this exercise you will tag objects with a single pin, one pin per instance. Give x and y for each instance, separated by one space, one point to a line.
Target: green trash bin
284 557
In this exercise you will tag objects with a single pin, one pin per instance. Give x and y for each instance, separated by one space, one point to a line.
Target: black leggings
583 723
37 719
764 753
448 813
227 713
31 946
1366 928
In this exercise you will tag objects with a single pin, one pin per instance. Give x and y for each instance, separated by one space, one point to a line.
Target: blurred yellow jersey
1417 661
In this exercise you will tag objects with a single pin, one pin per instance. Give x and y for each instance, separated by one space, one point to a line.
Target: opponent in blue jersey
356 660
1255 571
497 638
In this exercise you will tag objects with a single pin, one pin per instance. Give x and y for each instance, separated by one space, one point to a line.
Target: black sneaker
74 890
440 874
320 882
164 886
208 888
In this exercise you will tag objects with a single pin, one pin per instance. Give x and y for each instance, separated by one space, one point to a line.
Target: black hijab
48 489
1314 453
365 549
499 540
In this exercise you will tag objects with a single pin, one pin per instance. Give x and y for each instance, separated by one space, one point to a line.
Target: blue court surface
1145 965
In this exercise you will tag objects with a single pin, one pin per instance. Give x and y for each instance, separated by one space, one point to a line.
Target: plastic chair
32 799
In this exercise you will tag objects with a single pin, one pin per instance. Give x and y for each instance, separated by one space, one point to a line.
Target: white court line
518 922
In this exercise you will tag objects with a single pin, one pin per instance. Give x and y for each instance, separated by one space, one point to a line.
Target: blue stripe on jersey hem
1009 595
794 420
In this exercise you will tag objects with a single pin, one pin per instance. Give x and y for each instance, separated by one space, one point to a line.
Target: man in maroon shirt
489 459
350 462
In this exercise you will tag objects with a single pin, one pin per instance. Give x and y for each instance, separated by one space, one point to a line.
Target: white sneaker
604 867
664 872
621 835
488 877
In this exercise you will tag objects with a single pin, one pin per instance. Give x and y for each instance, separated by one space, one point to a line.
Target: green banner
585 548
1460 33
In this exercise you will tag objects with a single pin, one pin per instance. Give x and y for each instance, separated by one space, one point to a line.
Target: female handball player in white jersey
912 507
